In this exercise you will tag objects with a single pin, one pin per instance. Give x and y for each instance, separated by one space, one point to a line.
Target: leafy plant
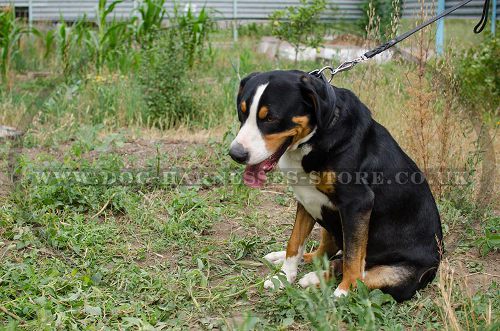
64 44
69 41
245 247
193 31
363 309
10 34
490 242
48 39
300 25
151 17
108 43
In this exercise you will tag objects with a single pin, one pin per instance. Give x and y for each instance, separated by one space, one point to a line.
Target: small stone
9 132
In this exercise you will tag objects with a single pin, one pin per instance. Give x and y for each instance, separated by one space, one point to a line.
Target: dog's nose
238 153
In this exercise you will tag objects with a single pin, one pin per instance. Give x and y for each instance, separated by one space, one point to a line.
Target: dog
349 175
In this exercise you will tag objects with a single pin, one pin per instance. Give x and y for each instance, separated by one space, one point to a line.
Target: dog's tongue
255 175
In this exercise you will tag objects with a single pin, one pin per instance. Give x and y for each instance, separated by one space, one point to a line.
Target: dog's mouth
255 174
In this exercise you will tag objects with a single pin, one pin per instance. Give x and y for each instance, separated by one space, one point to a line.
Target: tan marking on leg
303 226
327 180
327 245
354 254
243 107
383 275
263 112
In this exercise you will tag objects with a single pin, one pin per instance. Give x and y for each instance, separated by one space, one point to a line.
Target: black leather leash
368 55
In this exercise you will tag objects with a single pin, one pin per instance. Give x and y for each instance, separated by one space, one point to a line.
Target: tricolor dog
350 176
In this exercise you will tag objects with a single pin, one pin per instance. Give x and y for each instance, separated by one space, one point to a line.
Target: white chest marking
305 191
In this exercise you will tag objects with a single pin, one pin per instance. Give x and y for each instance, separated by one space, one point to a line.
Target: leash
347 65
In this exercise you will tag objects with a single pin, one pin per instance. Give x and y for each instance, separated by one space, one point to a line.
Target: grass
99 234
147 255
458 33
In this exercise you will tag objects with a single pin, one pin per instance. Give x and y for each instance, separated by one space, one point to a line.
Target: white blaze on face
250 136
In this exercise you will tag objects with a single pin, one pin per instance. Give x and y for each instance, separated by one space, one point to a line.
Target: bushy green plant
300 25
10 33
193 31
478 77
167 89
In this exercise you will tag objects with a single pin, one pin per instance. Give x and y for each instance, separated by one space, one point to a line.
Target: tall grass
474 313
431 111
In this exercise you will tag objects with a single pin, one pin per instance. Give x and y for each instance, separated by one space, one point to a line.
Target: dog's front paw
268 284
310 279
339 292
276 257
274 280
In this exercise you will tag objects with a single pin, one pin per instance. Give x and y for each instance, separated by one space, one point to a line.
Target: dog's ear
244 81
320 93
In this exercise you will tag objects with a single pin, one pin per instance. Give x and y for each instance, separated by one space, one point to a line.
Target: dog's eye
270 118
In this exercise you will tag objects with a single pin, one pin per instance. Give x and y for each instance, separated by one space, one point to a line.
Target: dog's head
278 110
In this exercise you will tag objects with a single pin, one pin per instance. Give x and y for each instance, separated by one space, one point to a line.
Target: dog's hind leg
399 280
303 226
